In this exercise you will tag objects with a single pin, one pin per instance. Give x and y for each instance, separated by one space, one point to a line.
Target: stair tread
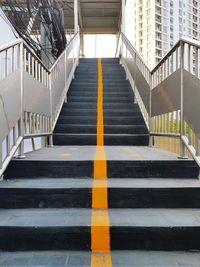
123 258
73 183
73 218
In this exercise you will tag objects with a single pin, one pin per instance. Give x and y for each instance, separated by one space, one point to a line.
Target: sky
99 45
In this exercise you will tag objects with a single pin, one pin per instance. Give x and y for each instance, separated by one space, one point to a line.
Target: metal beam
100 30
123 17
75 16
80 16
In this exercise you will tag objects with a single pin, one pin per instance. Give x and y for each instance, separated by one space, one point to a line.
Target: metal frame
35 93
173 88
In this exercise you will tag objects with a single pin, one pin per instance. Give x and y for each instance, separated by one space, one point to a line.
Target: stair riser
108 106
115 169
79 238
152 169
122 140
155 238
51 169
117 198
76 129
92 120
94 94
93 112
45 238
45 198
106 99
91 140
65 128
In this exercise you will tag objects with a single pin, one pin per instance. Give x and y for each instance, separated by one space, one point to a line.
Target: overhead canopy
95 16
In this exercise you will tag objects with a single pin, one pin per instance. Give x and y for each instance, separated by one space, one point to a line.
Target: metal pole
82 44
123 17
75 16
150 119
182 133
50 137
21 121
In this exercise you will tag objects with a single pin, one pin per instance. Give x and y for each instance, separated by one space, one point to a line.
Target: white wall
6 36
6 33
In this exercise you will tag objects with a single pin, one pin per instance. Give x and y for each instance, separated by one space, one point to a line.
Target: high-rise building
158 24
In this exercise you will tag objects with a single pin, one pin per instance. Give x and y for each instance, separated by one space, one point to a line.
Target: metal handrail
176 45
170 120
39 94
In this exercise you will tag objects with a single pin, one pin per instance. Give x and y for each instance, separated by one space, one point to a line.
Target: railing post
65 73
150 119
73 59
21 121
1 160
50 137
182 129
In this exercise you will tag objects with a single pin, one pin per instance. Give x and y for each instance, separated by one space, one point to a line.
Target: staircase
153 197
123 121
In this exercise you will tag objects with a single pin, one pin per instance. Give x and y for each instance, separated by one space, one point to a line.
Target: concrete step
93 112
108 129
61 139
106 99
129 165
81 93
123 258
108 120
107 88
144 229
77 193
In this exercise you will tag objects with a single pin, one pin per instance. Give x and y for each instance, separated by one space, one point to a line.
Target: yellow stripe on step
100 222
100 123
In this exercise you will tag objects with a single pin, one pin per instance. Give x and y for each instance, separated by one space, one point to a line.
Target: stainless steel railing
169 94
31 96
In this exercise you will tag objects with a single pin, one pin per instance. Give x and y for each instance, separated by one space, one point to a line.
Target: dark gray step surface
146 229
82 93
93 112
107 106
109 139
108 120
108 129
107 99
69 167
122 193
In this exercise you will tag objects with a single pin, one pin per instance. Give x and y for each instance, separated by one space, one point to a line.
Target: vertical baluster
172 123
6 63
14 135
1 157
189 58
197 63
8 144
13 59
189 134
197 148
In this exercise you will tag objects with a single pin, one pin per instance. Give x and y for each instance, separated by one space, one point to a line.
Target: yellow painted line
65 155
100 163
100 231
134 155
74 148
99 194
101 260
100 221
100 122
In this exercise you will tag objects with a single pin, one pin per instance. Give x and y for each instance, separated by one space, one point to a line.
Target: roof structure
95 16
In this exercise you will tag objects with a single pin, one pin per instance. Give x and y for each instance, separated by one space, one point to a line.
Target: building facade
158 24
